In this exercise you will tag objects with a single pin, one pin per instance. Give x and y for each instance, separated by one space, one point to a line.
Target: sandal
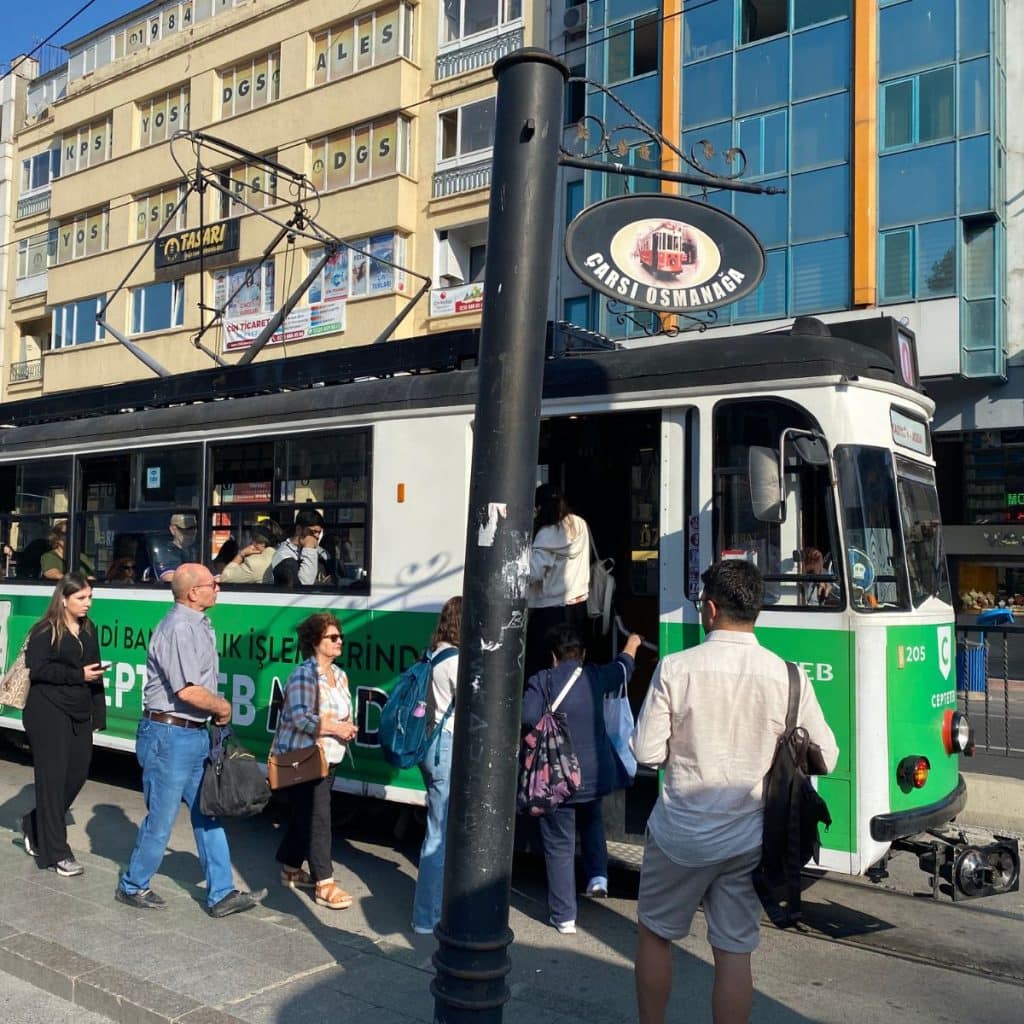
296 878
327 894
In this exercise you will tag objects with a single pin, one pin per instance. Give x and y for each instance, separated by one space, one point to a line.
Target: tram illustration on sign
666 249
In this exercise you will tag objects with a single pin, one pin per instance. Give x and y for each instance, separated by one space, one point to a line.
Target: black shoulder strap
794 695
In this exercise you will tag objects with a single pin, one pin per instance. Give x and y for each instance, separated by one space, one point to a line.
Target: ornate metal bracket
597 140
656 324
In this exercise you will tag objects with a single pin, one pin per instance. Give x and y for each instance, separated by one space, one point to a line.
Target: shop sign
664 253
191 244
909 432
466 298
303 322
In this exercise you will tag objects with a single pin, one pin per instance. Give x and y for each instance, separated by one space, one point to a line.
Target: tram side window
795 555
137 518
292 513
34 503
871 521
922 531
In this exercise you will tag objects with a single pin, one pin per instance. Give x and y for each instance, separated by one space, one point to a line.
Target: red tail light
912 772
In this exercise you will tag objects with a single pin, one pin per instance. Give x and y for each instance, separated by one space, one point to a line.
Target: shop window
821 131
632 49
916 34
762 76
466 132
74 323
158 307
153 210
252 84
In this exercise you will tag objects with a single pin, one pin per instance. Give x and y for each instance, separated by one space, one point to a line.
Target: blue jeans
426 904
172 762
558 837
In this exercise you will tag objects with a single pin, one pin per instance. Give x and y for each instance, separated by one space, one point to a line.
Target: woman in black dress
65 704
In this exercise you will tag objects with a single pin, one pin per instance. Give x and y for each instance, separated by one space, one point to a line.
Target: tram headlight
912 772
957 733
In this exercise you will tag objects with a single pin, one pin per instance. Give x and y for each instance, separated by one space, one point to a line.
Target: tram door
608 467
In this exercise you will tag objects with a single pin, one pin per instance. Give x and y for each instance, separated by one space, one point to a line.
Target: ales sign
664 253
212 240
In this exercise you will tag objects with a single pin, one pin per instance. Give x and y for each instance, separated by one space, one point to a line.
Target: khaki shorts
670 894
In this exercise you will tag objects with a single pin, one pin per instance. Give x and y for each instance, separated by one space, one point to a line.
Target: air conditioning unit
574 21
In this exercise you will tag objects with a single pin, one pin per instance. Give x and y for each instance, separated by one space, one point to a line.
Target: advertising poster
382 275
303 322
465 298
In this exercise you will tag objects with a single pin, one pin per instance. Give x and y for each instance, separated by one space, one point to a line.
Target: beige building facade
386 109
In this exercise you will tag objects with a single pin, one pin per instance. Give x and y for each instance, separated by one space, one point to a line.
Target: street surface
870 954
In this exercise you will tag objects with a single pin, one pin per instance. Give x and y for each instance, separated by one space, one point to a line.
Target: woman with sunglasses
317 709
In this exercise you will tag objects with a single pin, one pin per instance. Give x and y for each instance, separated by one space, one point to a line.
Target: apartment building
386 108
895 129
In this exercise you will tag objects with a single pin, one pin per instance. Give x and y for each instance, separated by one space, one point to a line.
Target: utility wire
60 28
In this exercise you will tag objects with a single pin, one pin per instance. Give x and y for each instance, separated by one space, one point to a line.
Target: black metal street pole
472 958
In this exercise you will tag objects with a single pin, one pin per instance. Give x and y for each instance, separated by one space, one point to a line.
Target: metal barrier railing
990 684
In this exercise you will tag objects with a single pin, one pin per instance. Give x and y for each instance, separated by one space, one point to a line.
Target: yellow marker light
400 496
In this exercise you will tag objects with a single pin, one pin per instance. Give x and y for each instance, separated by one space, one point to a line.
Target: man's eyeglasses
335 638
214 584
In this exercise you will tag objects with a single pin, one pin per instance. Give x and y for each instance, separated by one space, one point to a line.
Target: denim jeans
558 837
426 905
172 762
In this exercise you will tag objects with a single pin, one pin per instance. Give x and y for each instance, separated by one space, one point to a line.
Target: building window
244 291
362 43
577 311
462 18
153 209
821 276
38 171
914 35
576 96
573 199
245 186
359 154
87 146
769 299
644 156
632 49
897 269
36 253
85 235
361 267
975 112
902 200
161 116
74 323
707 91
763 139
979 323
919 109
466 132
251 84
158 307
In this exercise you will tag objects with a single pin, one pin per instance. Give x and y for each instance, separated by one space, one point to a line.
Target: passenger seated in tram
251 564
53 564
298 561
165 555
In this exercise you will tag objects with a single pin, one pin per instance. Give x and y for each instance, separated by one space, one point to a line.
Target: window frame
471 156
402 133
83 218
915 110
180 121
614 33
53 163
25 246
57 339
272 57
505 21
177 308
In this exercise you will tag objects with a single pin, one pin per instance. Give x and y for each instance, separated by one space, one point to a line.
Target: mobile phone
104 665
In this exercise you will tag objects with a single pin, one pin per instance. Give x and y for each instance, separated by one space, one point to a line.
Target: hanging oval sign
664 253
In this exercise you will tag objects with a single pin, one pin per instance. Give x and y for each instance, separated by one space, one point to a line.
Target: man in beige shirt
711 720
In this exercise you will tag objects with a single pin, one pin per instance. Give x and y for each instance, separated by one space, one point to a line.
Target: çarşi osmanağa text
717 290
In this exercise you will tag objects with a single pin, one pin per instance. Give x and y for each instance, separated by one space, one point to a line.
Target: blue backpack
403 722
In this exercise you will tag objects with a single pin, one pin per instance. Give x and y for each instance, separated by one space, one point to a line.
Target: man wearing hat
182 549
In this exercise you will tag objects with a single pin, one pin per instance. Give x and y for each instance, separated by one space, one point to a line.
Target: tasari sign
664 253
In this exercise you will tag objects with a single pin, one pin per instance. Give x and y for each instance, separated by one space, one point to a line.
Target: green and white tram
807 452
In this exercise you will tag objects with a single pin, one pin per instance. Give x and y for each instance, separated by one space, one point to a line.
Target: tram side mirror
765 485
811 450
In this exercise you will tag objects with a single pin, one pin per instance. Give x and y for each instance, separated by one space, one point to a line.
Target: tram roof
430 372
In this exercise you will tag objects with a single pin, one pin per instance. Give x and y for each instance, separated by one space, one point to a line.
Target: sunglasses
335 638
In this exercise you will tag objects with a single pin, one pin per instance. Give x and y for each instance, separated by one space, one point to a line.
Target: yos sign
664 253
184 246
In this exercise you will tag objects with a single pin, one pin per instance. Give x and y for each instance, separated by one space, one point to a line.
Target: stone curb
994 803
98 987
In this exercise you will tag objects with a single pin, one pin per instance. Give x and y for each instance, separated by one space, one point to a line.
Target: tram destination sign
664 253
219 239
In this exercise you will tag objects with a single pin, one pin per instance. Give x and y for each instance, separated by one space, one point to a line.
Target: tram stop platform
292 962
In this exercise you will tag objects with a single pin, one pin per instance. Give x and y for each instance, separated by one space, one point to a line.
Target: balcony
481 54
27 370
464 178
29 206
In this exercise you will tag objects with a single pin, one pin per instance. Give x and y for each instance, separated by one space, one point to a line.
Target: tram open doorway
608 466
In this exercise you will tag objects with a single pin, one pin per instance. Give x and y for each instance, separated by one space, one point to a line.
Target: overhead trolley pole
472 959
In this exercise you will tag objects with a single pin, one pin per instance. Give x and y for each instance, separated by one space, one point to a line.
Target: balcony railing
462 179
31 205
479 54
28 369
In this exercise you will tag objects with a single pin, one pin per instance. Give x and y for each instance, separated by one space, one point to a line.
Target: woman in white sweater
559 574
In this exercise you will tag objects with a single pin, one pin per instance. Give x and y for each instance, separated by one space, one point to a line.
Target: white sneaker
420 930
598 888
564 927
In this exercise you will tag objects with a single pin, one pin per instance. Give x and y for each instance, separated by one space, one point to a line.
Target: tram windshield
922 532
871 523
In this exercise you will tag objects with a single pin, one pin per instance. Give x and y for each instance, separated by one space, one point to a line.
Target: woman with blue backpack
582 689
436 767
